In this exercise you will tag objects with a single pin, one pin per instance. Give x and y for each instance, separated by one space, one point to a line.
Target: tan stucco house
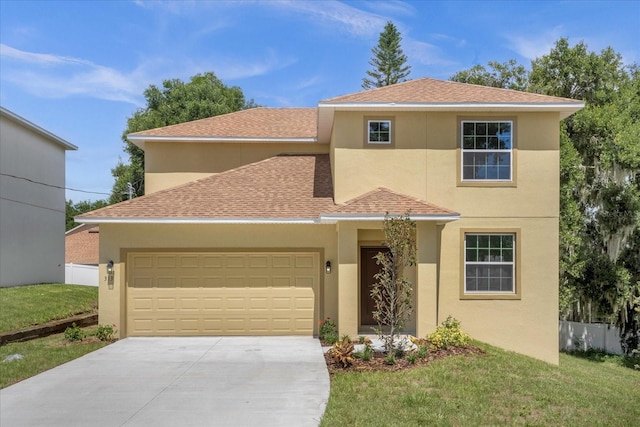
264 221
32 202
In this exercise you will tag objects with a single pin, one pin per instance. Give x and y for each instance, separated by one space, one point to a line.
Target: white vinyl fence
583 336
81 274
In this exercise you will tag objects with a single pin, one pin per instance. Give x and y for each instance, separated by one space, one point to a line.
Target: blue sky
79 68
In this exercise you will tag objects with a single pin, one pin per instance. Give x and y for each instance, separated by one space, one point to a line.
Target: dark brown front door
368 269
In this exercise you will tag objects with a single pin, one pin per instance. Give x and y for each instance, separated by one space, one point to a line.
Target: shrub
412 356
367 353
342 352
328 331
73 333
331 338
106 332
423 351
364 340
390 359
449 334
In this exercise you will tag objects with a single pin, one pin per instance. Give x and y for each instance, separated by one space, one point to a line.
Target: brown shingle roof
252 123
282 187
382 200
81 245
432 91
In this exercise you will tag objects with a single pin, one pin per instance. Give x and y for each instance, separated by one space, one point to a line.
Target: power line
53 186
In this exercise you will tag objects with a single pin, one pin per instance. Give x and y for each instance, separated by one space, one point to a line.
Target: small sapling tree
392 292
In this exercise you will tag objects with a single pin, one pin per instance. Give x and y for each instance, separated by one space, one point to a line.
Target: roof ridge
375 89
395 86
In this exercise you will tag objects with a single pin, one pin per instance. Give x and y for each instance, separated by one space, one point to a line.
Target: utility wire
54 186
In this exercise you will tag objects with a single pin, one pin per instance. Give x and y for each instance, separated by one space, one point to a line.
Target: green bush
365 354
328 331
449 334
106 332
390 359
73 333
412 357
423 351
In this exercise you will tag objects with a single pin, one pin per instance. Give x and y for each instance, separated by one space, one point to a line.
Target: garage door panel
281 281
142 282
166 261
190 304
222 294
189 261
304 261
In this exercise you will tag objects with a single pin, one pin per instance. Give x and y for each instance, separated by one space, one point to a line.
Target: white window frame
485 151
512 263
369 141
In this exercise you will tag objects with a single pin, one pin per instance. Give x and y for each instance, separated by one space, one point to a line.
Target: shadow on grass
595 355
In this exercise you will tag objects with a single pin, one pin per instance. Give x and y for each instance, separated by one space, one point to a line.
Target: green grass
25 306
498 388
42 354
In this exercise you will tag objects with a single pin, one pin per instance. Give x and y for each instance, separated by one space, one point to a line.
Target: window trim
460 152
491 295
379 144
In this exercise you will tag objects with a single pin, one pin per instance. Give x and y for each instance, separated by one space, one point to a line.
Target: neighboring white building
32 202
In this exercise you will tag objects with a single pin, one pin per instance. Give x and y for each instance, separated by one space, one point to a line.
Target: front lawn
497 388
25 306
41 354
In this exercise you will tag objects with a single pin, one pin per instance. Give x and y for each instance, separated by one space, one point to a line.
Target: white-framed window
487 150
379 131
489 265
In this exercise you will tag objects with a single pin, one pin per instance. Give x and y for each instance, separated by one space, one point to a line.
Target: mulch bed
377 362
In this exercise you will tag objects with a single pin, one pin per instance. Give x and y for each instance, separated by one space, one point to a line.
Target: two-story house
32 202
265 221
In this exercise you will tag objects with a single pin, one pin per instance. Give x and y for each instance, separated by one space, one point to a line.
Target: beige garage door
231 293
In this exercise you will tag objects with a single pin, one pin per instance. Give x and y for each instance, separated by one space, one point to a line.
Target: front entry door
368 269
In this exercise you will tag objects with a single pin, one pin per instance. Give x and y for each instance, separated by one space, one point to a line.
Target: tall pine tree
388 60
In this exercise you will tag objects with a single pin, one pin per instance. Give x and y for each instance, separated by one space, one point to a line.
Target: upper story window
487 150
379 131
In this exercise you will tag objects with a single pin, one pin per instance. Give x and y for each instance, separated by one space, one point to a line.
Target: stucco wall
116 238
169 164
424 162
32 215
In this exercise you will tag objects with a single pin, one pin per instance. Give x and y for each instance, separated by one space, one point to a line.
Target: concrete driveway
196 381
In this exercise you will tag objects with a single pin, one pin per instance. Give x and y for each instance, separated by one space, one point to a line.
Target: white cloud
534 46
424 53
395 7
232 68
355 21
57 76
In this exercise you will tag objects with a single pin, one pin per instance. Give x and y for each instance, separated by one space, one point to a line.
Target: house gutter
332 219
104 220
139 140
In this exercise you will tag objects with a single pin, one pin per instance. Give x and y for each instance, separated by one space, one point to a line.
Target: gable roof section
432 91
253 125
285 188
375 204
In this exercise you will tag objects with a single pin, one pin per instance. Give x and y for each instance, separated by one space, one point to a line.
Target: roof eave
168 220
334 218
139 140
